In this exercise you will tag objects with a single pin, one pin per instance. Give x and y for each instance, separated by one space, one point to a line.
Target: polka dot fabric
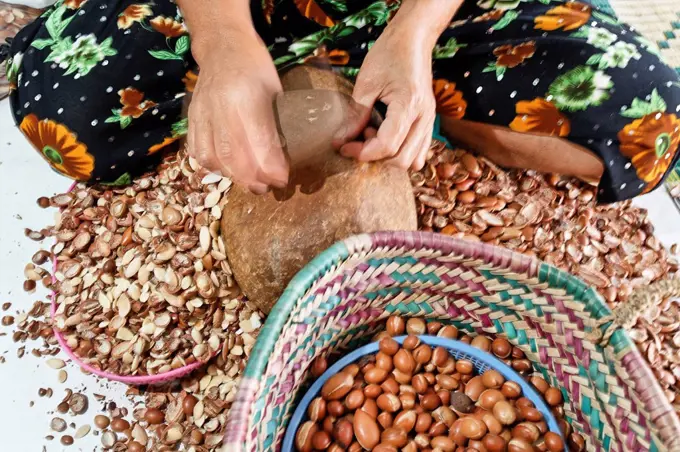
98 85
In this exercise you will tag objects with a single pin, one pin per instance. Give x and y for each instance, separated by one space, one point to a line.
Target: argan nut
337 386
576 443
519 445
493 443
526 431
385 419
411 342
388 346
539 383
154 416
134 446
530 414
438 428
521 365
328 424
461 403
553 396
319 366
317 408
396 326
553 442
353 400
101 421
416 326
472 428
66 440
372 391
489 398
404 361
343 432
385 448
422 354
352 369
439 356
119 425
419 383
434 327
390 386
366 430
448 332
492 379
511 389
188 404
389 403
423 422
370 407
474 388
464 367
304 436
394 437
335 408
430 402
443 443
504 412
405 420
501 347
384 361
481 342
321 440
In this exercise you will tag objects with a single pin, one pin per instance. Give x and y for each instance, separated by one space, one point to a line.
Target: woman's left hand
398 72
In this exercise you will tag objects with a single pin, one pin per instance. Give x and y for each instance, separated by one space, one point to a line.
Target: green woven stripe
603 5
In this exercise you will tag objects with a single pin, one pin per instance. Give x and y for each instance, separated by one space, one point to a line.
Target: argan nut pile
142 280
415 397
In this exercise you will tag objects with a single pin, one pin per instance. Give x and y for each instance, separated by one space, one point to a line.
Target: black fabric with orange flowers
98 84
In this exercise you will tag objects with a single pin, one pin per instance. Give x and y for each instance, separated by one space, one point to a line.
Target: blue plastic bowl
459 350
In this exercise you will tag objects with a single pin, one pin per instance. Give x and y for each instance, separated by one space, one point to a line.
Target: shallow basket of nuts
478 398
553 321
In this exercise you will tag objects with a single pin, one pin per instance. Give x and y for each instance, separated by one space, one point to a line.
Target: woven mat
657 20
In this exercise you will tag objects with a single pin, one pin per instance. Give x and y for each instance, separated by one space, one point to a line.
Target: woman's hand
232 129
398 72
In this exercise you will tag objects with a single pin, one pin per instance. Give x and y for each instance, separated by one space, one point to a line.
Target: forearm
216 24
426 19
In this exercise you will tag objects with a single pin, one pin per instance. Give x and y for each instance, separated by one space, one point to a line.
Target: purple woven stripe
237 424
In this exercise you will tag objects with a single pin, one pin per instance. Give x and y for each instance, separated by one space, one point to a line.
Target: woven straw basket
343 296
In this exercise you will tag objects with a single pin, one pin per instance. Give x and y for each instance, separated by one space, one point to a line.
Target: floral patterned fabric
98 85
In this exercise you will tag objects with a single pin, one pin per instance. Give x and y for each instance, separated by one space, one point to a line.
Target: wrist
211 41
424 20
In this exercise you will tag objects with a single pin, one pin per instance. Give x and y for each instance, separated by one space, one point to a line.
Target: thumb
358 114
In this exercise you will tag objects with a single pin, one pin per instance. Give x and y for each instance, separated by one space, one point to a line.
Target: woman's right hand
232 129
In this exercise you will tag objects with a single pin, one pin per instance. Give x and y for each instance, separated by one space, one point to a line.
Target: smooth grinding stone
270 238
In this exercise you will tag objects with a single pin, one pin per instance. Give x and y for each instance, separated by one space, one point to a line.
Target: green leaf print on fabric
640 108
78 57
447 50
165 55
506 20
349 72
498 4
84 54
123 179
56 24
12 69
580 88
182 45
338 5
180 128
